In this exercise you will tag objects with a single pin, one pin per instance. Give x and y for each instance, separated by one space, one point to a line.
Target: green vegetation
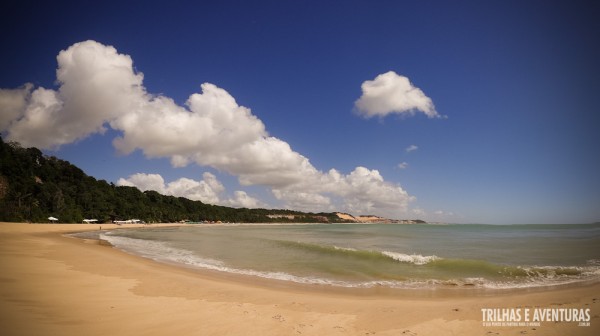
34 186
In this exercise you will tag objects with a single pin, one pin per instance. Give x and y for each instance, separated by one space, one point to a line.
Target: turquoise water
368 255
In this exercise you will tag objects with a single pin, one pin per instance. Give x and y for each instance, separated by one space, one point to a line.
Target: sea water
391 255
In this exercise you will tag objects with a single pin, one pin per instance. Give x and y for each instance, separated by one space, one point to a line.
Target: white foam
416 259
550 276
344 248
159 251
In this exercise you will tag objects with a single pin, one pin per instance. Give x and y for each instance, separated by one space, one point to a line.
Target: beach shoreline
60 285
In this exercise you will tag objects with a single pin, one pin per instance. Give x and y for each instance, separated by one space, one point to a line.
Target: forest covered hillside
34 186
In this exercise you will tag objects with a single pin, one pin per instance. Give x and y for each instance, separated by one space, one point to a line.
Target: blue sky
514 89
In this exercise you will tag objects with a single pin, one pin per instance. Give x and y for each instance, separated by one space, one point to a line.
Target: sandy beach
52 284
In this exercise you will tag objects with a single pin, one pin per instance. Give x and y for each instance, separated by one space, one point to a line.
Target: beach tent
52 219
88 221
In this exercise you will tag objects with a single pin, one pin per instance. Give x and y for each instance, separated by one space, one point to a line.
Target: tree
34 186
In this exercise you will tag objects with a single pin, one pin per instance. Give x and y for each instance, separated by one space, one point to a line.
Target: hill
34 186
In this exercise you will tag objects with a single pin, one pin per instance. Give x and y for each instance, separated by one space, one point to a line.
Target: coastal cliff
377 219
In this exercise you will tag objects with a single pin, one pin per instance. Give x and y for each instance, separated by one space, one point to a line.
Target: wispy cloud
411 148
390 93
403 165
418 212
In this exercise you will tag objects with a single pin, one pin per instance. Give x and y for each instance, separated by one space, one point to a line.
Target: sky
447 111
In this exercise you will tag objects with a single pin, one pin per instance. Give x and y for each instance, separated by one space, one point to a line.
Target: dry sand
51 284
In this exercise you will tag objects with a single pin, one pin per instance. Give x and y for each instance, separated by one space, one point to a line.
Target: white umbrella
52 219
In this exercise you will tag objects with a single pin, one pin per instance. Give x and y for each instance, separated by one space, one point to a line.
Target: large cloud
361 191
391 93
214 124
96 85
99 88
13 102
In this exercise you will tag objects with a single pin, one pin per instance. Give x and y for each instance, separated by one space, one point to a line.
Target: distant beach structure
129 221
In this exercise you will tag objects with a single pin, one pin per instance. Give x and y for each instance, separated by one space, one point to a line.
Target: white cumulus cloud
305 201
241 199
144 182
13 102
362 191
96 85
99 89
391 93
208 190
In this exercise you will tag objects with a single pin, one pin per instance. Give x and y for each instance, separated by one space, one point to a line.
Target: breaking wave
416 259
422 271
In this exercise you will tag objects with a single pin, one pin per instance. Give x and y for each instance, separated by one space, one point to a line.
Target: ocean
374 255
